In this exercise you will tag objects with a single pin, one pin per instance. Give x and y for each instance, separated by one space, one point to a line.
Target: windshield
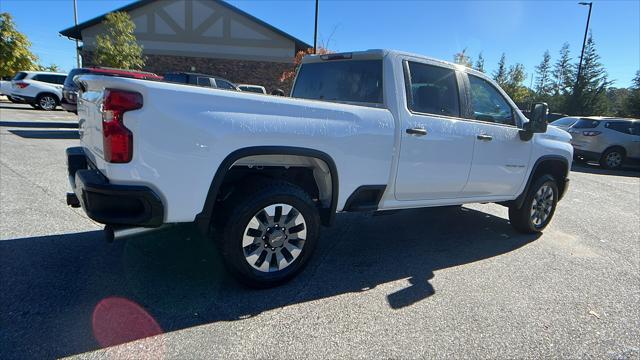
585 124
357 81
567 121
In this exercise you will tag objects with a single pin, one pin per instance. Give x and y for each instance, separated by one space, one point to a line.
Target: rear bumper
586 155
69 106
25 99
107 203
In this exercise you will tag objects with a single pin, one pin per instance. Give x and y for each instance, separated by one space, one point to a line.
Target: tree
631 105
117 46
513 85
51 67
544 84
563 74
479 63
15 55
463 59
589 94
500 75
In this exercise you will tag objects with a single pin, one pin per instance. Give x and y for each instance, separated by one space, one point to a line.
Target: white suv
42 90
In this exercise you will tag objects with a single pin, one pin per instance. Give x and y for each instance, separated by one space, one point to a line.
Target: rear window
20 76
68 82
586 124
352 81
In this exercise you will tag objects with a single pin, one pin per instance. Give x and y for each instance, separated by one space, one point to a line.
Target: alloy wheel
613 159
47 103
543 202
274 237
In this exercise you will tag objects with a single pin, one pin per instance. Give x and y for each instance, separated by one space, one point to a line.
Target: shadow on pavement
53 286
40 124
627 170
47 134
23 106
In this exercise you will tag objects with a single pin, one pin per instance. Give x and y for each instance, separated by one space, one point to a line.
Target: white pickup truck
364 131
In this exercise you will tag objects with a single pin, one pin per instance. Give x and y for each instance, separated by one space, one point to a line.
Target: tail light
22 85
117 139
591 133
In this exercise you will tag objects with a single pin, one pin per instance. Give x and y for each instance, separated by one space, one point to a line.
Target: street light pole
315 31
586 30
75 19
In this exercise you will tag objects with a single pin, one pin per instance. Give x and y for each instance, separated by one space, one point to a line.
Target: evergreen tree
479 63
118 47
589 95
563 72
14 49
514 85
631 105
463 59
500 75
544 84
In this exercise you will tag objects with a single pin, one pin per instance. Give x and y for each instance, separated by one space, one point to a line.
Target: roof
75 32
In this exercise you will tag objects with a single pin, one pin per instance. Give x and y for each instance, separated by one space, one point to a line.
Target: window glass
488 104
567 121
69 80
586 124
203 81
20 76
358 81
178 78
434 90
59 79
224 84
636 128
620 126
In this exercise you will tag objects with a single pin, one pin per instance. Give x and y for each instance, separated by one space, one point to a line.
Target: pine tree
563 72
463 59
500 75
514 84
589 95
631 105
544 85
480 63
118 47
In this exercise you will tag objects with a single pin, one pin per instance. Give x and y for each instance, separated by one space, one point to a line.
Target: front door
436 144
500 158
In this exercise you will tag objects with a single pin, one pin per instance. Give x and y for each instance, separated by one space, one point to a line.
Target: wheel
270 234
538 208
47 102
612 158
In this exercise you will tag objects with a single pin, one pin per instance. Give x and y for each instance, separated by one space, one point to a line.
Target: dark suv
70 89
200 80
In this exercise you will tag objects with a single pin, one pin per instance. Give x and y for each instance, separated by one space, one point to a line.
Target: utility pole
75 19
315 31
584 42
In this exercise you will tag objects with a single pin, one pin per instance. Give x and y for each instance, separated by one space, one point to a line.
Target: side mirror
537 123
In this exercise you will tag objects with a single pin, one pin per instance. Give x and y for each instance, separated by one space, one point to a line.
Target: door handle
417 131
484 137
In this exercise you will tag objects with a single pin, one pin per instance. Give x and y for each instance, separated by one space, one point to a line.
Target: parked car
564 123
261 174
70 88
610 141
252 88
40 89
200 80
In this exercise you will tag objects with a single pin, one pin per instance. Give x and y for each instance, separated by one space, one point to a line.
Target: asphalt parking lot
436 283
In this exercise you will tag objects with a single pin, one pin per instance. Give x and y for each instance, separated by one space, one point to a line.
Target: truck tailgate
90 123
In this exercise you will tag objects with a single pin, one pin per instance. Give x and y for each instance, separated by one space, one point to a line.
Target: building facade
205 36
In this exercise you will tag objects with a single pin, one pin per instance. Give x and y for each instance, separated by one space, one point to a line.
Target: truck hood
555 133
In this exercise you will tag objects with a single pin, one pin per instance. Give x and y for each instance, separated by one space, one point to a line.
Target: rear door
500 158
436 143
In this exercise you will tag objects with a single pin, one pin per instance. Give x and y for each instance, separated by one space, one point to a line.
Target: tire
257 245
534 215
47 102
612 158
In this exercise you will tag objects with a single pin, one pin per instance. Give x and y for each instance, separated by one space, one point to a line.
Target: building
206 36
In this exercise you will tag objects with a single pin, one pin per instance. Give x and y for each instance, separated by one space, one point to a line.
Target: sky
523 30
